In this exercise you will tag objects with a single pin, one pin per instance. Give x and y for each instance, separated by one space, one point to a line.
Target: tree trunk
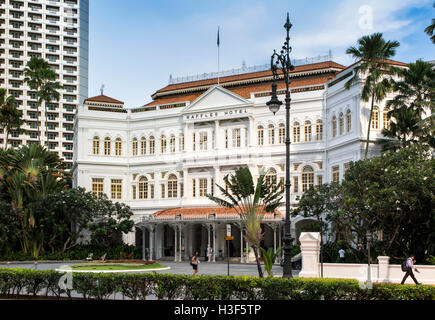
370 124
37 122
257 258
6 138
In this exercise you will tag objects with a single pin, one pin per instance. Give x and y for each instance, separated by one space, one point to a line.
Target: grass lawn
115 266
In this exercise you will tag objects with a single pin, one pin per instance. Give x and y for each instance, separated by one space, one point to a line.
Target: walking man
409 266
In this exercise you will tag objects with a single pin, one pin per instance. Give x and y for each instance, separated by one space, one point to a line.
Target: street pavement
204 268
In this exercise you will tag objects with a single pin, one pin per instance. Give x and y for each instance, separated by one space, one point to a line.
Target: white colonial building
164 157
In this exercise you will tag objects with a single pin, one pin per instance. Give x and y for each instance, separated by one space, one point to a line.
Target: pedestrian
194 261
407 267
341 253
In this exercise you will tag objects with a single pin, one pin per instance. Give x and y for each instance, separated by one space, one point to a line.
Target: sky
135 45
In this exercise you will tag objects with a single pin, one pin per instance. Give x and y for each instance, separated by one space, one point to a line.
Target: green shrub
168 286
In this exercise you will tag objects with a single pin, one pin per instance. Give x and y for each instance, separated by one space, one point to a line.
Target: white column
208 243
310 250
143 243
383 268
176 242
152 232
251 132
214 243
179 238
218 144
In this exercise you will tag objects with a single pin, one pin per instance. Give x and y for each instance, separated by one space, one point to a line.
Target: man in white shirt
341 254
409 267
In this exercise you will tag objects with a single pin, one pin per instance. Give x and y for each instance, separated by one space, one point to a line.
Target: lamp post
282 62
369 274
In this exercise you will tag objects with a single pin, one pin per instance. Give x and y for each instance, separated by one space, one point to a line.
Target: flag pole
218 45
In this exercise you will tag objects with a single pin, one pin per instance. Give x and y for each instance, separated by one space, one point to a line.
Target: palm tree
10 116
430 29
41 77
27 175
47 93
373 52
415 97
415 89
403 130
251 202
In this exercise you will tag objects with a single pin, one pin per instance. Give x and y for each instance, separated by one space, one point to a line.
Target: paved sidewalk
205 268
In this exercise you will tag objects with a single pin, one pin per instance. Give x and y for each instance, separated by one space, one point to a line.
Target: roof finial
102 89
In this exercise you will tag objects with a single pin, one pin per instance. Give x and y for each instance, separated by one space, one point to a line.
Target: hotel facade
164 157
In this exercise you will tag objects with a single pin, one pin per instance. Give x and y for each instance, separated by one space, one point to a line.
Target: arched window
307 131
181 143
319 130
96 146
375 118
281 133
107 146
271 177
386 121
296 132
118 147
134 147
143 188
152 145
172 144
172 186
334 126
307 178
341 123
271 130
163 144
260 135
143 146
348 121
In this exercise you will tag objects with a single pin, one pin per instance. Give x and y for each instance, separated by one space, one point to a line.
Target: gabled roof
103 99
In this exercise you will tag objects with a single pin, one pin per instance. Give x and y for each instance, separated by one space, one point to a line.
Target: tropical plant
251 202
10 116
269 257
430 29
28 174
372 53
41 77
412 107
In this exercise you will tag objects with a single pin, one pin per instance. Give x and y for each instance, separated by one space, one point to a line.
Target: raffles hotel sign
217 115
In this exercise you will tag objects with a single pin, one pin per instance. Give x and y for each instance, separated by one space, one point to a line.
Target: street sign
229 238
228 230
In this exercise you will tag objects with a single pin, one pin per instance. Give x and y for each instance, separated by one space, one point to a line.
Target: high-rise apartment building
58 31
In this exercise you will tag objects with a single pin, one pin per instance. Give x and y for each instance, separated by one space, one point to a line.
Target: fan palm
251 202
373 52
27 175
10 116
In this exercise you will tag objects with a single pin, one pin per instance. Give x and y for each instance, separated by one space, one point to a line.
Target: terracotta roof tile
104 99
252 75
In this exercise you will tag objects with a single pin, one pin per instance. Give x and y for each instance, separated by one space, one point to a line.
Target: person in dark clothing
194 262
409 267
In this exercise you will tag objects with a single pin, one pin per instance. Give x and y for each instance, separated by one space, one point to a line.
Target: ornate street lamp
369 273
282 62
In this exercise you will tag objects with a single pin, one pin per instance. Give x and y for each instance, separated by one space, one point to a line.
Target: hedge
139 286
